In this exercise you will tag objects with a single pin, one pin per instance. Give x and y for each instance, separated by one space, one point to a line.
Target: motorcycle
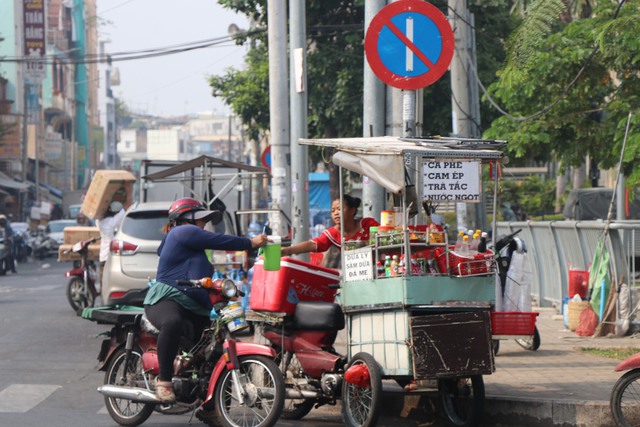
315 374
624 401
224 381
21 247
5 259
81 288
42 243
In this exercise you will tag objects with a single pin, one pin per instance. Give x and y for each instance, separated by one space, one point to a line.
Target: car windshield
57 227
74 210
146 225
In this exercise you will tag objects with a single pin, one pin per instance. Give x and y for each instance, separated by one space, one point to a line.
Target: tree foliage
334 57
588 71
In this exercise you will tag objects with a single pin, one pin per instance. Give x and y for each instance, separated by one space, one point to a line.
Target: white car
55 229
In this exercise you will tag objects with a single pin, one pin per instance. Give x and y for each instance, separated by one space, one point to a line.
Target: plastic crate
279 291
513 323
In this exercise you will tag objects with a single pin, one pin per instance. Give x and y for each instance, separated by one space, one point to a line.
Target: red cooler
279 291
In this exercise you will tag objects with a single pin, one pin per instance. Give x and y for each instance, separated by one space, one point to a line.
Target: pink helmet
181 207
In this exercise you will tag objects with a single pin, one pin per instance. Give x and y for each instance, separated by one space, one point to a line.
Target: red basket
465 265
513 323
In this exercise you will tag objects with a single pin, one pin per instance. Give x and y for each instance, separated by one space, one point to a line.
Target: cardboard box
107 186
79 233
94 253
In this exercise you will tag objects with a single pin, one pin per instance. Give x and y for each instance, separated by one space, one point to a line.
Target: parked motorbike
21 246
83 276
5 259
226 382
42 243
505 248
625 401
315 374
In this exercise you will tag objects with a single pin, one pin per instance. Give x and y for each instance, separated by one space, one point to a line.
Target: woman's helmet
191 209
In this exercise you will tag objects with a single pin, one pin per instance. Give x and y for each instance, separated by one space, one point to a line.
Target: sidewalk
556 385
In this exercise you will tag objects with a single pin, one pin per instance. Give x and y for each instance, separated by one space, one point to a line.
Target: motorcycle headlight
229 289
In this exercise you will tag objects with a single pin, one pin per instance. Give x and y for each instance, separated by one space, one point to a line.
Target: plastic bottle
473 246
380 269
387 266
401 268
482 246
433 270
464 248
394 266
458 244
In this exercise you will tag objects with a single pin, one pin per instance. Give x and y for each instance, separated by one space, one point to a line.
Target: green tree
335 55
573 89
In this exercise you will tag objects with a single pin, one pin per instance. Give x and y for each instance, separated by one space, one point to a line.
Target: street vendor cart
425 323
429 323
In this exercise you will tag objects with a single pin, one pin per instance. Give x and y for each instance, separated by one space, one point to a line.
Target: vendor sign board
358 265
451 181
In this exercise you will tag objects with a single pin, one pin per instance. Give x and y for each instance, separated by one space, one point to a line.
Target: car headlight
229 289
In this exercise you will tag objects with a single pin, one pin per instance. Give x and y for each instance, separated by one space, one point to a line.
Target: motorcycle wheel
462 400
361 405
625 399
76 294
125 412
294 409
262 386
530 343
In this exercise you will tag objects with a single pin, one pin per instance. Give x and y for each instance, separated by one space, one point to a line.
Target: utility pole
25 148
279 109
373 120
299 153
465 104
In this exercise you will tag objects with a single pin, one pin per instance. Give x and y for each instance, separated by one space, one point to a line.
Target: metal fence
555 247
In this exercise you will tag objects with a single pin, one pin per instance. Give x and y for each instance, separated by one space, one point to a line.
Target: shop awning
6 182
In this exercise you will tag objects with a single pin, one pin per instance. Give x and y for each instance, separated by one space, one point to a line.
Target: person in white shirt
108 226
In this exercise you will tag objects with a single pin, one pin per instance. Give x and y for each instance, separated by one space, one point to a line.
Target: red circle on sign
383 18
266 157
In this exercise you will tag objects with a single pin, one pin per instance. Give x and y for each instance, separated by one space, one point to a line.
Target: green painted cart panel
417 290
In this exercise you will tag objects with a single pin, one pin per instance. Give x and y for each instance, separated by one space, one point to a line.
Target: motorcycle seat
134 297
318 316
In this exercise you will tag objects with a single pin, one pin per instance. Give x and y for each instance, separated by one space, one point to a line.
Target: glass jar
385 235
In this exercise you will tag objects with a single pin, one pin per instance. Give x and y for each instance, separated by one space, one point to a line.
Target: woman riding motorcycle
182 257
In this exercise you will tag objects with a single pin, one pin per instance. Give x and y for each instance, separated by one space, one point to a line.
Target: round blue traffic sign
409 44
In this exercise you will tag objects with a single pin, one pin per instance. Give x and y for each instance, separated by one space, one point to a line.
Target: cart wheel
361 405
530 343
462 400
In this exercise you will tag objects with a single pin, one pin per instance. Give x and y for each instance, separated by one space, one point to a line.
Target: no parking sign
409 44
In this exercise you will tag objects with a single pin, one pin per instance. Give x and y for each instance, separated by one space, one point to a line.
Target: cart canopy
383 159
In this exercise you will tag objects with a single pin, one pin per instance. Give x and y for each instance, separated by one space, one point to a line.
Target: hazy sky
172 84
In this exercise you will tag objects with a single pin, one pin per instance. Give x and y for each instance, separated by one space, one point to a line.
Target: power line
136 54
